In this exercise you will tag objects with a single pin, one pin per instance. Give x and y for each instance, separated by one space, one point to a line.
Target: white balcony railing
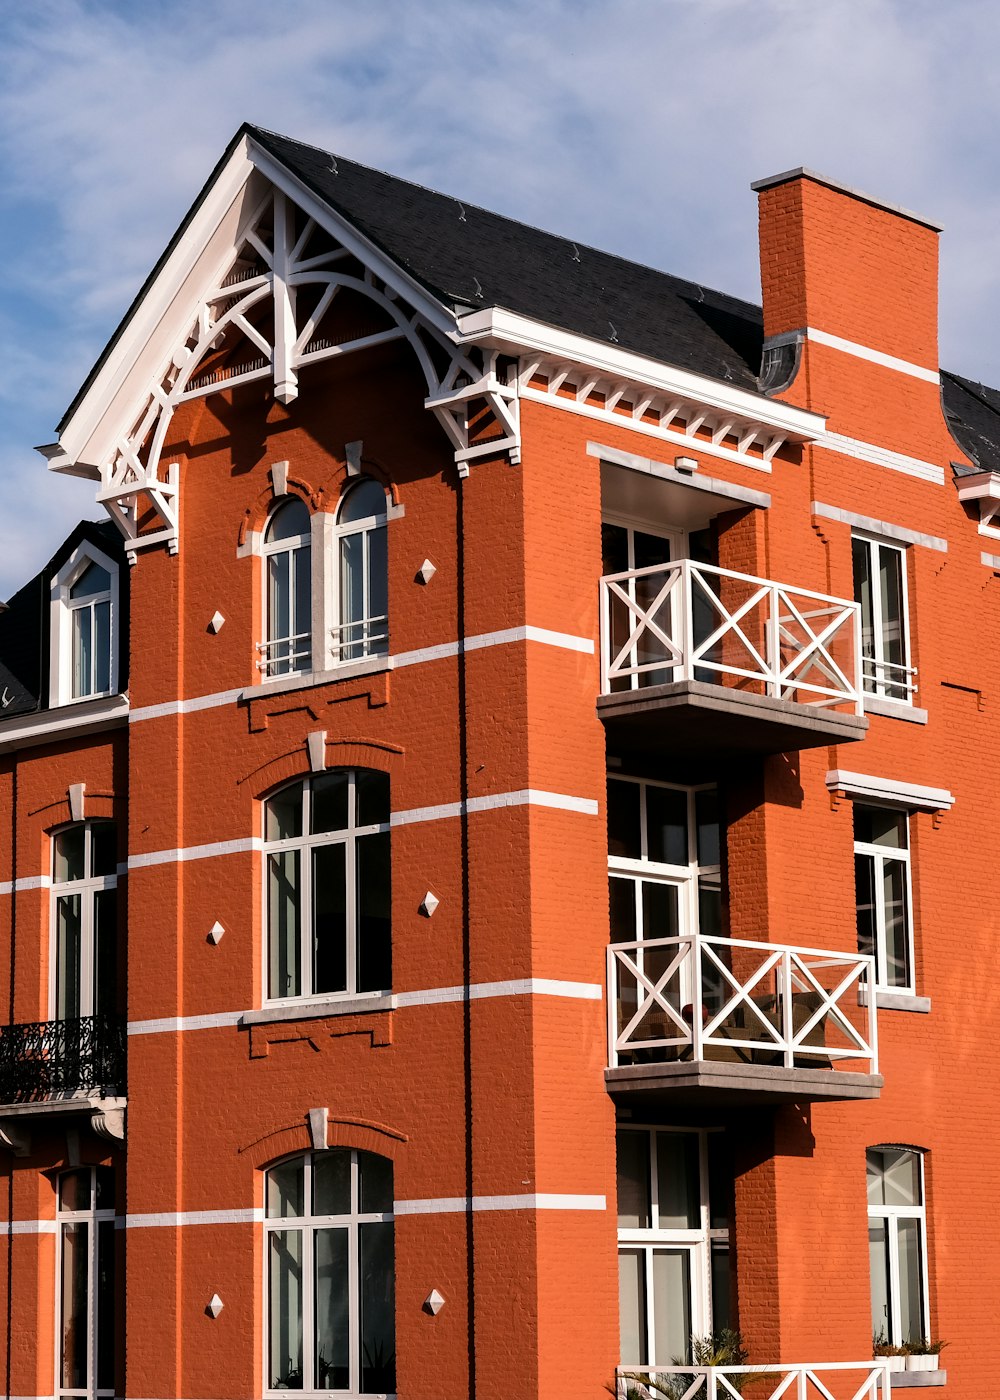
838 1380
688 621
703 998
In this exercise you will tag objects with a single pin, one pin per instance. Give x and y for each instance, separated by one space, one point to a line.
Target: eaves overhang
517 335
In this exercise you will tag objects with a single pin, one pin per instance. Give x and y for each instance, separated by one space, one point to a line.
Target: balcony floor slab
698 719
728 1085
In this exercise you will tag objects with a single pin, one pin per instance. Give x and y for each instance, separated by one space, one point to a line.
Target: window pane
864 893
671 1305
678 1181
283 814
330 792
378 1309
284 969
660 910
650 550
623 819
289 521
621 896
73 1304
352 602
879 1264
333 1334
102 647
361 501
68 850
710 907
911 1273
706 806
93 580
861 555
68 950
894 651
378 593
301 650
332 1182
376 1183
329 933
279 605
106 1305
285 1309
720 1287
374 914
105 1181
897 936
720 1181
901 1181
285 1190
105 991
880 826
103 848
633 1181
371 790
667 825
632 1306
74 1190
614 549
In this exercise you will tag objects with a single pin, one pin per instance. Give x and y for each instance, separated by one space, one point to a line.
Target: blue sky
635 125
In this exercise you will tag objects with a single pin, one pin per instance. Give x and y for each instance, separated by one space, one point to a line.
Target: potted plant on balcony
894 1357
723 1348
923 1355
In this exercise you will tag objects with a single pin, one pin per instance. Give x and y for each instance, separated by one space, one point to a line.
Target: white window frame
61 610
880 678
880 855
308 1225
698 1242
301 645
305 844
91 1217
891 1215
375 643
87 888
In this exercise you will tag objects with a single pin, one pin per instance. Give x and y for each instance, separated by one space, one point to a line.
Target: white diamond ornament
426 571
217 622
428 904
216 1305
434 1302
215 933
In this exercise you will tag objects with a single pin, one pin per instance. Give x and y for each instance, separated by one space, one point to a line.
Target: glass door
626 548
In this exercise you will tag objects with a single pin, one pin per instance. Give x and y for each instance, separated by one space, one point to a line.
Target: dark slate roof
973 414
24 625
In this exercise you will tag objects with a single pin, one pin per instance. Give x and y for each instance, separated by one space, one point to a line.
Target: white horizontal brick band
433 996
184 853
566 641
27 1227
914 795
524 797
174 1219
26 882
448 1205
879 527
875 357
882 457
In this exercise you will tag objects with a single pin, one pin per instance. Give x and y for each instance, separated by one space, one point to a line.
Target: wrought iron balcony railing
700 998
44 1060
838 1380
695 622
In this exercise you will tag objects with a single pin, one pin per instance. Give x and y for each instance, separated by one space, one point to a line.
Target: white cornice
913 795
515 334
64 722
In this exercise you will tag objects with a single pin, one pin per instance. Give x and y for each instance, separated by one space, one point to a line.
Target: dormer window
287 645
83 655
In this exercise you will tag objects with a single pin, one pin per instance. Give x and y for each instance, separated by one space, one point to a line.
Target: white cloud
637 126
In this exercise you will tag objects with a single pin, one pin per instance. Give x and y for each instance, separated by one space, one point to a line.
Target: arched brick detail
370 466
99 805
255 518
340 753
276 1145
359 1133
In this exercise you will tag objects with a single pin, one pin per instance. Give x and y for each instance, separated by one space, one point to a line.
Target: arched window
326 854
362 581
85 1295
287 644
84 920
329 1245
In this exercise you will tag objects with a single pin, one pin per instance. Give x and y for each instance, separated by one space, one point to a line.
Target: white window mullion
353 1281
881 952
647 1262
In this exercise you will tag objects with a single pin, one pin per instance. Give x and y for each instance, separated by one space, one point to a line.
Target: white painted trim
214 848
250 1215
892 709
879 527
27 1227
864 785
714 486
360 1006
525 797
507 329
876 357
64 722
26 882
448 1205
881 457
187 707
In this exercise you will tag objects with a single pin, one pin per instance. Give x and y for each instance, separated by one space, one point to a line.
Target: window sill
886 1000
276 685
893 709
910 1380
321 1007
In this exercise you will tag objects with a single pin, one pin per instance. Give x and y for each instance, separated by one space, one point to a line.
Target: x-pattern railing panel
696 621
832 1381
793 1004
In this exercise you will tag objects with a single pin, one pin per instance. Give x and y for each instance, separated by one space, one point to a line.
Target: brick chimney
848 266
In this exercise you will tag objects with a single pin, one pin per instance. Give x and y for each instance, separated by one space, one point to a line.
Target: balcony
773 1023
62 1067
838 1380
702 662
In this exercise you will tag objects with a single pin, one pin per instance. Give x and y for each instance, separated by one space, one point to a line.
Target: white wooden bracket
459 392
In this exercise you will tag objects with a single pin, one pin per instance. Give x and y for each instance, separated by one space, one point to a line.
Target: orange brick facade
492 1091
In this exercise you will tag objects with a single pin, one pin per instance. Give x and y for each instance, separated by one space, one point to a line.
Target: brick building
457 575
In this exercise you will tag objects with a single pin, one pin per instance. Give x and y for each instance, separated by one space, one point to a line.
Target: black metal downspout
10 1021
